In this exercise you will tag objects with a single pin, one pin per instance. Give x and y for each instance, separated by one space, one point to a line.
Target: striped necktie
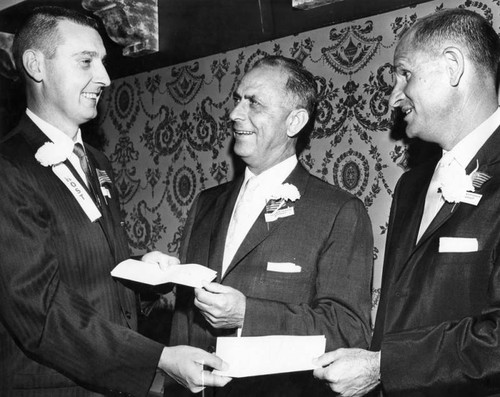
91 180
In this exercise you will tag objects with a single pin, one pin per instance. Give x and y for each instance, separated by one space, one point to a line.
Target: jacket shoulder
323 190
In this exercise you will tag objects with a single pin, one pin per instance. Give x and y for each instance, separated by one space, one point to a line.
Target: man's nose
397 95
102 76
238 112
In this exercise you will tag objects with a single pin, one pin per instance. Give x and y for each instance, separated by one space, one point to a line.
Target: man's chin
89 115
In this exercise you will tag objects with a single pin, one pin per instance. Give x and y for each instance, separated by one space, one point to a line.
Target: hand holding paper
164 261
192 275
349 372
222 306
263 355
186 365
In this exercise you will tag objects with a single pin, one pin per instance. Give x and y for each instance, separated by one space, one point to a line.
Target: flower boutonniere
53 155
457 186
278 205
50 153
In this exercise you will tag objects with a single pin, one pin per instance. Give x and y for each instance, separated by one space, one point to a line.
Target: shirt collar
274 175
465 150
54 133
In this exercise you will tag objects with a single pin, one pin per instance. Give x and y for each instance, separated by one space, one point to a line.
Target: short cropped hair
463 27
300 83
39 31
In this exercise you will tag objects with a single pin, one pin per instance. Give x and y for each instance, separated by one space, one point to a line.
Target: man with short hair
66 327
437 331
293 254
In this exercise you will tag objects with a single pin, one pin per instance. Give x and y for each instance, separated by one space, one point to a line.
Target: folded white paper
263 355
283 267
192 275
458 244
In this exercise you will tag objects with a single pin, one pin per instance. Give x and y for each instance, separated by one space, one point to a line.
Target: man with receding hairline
293 253
437 331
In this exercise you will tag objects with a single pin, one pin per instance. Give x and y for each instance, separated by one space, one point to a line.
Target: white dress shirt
59 137
463 152
263 186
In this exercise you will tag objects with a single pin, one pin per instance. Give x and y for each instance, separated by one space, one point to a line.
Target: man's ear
295 121
33 64
455 62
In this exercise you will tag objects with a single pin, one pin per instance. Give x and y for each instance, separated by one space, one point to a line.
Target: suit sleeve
459 357
341 305
455 358
52 323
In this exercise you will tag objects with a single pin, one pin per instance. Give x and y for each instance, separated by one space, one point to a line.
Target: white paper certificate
192 275
263 355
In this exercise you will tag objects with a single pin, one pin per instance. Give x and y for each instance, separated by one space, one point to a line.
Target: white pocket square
458 244
283 267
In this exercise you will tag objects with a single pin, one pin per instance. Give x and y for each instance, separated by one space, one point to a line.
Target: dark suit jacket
438 322
64 322
329 236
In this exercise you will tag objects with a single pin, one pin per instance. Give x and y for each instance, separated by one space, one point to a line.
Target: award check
264 355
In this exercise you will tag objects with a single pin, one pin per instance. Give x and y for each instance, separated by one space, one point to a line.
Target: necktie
434 199
84 162
240 222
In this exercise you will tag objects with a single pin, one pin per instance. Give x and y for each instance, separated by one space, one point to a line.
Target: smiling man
437 331
293 254
66 327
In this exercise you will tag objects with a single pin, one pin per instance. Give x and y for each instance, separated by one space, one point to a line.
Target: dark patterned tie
92 183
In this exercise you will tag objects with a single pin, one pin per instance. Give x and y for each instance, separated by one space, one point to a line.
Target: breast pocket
289 287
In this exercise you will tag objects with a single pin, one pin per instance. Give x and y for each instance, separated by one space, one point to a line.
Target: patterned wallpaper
168 133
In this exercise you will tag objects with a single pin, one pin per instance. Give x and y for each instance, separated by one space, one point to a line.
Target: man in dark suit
437 331
66 327
293 254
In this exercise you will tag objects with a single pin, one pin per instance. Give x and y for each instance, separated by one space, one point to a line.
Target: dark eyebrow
91 54
398 68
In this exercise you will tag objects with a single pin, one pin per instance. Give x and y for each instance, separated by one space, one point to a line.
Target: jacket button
128 315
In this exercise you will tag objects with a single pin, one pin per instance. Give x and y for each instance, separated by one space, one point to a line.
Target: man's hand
186 364
163 260
222 306
350 372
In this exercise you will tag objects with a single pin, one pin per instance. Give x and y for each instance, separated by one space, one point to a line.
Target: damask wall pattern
169 135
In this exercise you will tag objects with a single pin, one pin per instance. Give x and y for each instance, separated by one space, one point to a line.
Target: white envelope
192 275
458 244
283 267
273 354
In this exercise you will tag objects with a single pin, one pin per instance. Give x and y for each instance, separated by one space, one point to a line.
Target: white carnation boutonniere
457 186
54 155
279 202
50 153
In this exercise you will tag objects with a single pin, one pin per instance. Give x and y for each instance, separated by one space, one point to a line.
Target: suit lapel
412 213
36 138
105 221
441 217
261 229
485 157
406 224
33 135
222 216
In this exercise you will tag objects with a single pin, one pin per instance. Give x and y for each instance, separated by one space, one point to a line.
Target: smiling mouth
91 95
242 132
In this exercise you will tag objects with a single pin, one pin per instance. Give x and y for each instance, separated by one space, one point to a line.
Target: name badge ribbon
80 194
